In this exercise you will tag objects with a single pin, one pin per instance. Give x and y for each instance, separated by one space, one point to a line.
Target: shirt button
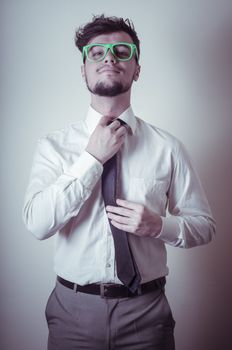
108 265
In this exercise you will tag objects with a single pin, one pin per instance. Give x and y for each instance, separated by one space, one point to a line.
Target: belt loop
75 288
161 283
139 290
102 290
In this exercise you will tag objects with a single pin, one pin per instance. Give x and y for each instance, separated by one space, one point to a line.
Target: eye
96 52
122 51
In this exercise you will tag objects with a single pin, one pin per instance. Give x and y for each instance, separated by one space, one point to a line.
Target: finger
114 125
120 210
123 227
120 219
121 131
128 204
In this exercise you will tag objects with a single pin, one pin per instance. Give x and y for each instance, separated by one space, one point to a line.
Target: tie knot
124 124
121 121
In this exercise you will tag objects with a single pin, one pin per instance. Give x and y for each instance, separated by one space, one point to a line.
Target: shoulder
64 135
160 136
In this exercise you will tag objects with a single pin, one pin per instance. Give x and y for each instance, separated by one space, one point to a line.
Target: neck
111 106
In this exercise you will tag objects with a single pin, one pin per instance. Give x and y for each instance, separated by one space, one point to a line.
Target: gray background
185 87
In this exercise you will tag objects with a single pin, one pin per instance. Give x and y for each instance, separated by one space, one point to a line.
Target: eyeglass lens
121 51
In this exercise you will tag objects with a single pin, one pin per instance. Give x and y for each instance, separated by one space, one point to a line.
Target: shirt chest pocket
149 192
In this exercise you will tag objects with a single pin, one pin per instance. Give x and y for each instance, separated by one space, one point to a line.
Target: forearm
49 205
187 231
190 222
183 230
50 209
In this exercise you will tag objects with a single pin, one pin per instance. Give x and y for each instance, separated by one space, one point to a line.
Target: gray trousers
83 321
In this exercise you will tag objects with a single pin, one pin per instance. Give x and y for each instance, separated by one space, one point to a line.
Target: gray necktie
127 269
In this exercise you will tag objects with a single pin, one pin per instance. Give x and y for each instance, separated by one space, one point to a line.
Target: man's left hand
134 218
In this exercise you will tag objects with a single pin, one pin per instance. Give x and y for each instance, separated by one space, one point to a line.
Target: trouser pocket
49 302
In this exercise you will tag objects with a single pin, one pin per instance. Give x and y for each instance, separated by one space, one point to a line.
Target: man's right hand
106 139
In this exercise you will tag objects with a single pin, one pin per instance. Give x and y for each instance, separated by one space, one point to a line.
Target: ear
137 72
83 71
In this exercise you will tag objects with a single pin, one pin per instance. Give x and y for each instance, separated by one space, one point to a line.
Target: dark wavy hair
105 25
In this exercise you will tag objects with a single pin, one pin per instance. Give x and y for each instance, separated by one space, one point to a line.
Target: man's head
109 68
105 25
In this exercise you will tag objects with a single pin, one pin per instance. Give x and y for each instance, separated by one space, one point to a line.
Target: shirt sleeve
189 221
54 196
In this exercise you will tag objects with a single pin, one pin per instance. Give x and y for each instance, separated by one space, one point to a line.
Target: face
110 77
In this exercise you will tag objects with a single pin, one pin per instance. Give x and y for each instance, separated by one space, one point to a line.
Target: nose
110 57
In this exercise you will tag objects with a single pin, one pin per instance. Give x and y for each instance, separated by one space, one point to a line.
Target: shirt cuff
87 169
170 229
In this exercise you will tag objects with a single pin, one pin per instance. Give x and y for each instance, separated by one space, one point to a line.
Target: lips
108 70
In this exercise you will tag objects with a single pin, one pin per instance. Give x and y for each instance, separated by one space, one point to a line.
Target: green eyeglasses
122 51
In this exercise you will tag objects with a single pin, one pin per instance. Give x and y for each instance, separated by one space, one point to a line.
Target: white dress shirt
64 198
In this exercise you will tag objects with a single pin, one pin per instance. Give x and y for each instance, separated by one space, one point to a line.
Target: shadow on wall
204 272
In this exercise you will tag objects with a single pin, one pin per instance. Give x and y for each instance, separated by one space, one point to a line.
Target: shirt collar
93 118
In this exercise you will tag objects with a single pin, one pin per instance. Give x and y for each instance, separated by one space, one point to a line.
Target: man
103 185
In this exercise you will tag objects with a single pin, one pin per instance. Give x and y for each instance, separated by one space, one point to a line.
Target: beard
108 90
